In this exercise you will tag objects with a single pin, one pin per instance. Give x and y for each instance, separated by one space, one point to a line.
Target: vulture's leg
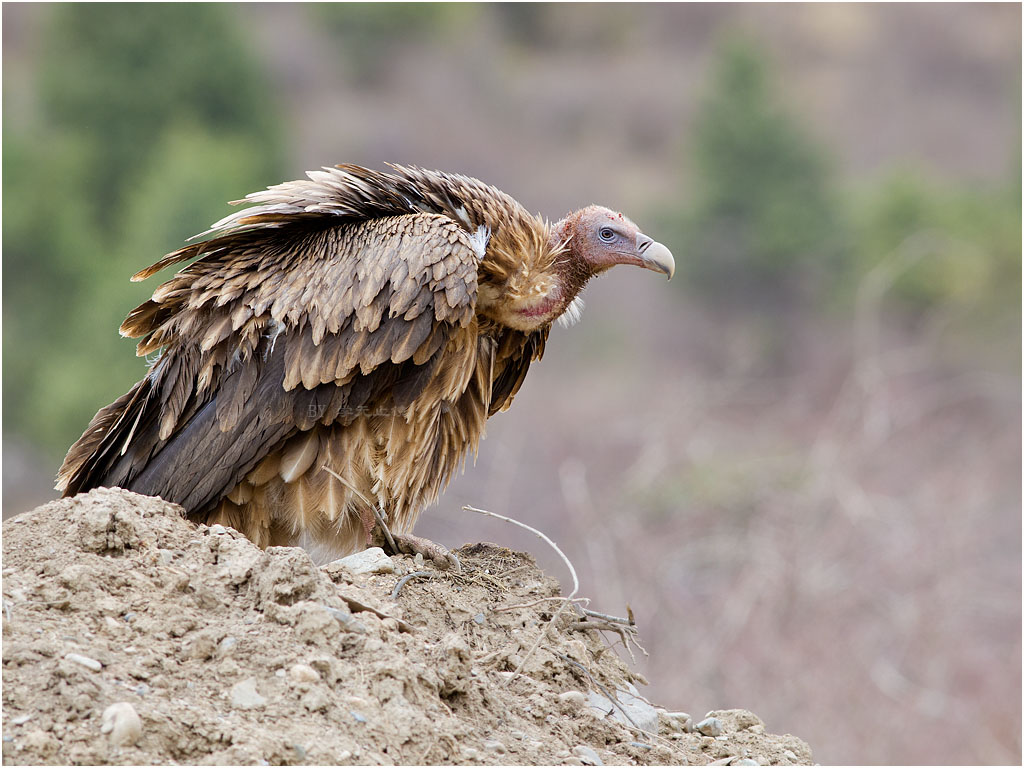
369 520
440 556
378 534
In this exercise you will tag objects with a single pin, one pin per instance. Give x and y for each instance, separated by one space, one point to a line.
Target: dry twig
406 579
613 619
539 600
571 595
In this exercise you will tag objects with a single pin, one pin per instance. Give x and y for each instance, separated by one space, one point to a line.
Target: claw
440 556
406 543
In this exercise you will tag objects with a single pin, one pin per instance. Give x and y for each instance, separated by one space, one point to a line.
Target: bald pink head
599 238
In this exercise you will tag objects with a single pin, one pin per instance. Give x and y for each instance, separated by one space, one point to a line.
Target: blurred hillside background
799 462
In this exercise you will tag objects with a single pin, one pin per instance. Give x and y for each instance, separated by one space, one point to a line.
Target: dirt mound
133 636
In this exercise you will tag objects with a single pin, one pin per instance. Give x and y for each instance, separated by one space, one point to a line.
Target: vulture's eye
607 234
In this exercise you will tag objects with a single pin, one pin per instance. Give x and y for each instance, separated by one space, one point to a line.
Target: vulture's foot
440 556
378 534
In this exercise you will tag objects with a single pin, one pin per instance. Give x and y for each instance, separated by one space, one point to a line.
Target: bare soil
233 655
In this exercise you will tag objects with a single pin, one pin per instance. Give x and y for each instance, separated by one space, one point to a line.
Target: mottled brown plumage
360 322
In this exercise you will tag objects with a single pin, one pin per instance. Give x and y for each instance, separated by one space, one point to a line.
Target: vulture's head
598 238
587 242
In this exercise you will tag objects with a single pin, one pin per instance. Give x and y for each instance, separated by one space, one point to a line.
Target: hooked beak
654 256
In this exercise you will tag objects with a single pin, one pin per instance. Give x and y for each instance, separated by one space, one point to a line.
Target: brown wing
512 358
273 330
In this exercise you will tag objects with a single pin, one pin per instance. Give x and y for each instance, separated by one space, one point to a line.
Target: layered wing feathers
321 312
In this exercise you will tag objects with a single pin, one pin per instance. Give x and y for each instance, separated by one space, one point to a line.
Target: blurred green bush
366 35
769 230
966 241
148 118
766 224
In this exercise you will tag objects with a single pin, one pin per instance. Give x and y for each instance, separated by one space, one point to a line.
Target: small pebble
226 646
245 696
347 620
710 726
640 744
790 754
315 700
216 529
572 761
746 761
492 745
518 735
122 723
587 755
303 673
357 717
571 701
85 661
470 754
280 672
201 647
372 560
479 618
677 721
21 720
562 753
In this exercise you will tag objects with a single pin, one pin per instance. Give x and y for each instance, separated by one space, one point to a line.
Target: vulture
332 353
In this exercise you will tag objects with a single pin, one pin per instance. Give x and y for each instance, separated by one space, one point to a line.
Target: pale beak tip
659 258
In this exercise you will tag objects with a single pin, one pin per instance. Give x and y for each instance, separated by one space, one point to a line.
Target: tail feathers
290 499
103 442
